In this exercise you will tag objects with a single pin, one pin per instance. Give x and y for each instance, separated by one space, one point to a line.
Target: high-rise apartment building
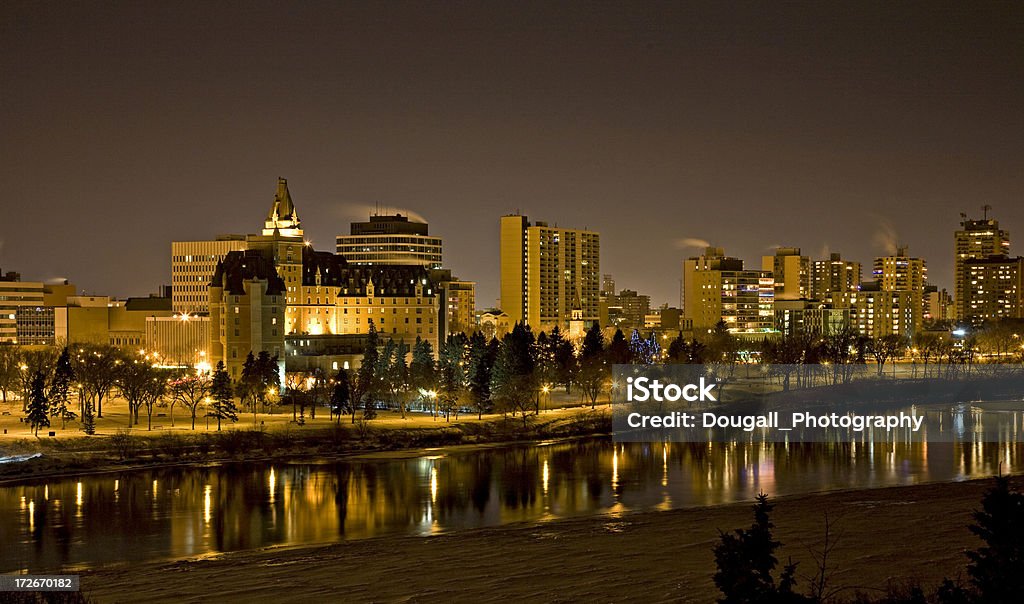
546 271
883 312
993 288
834 280
975 239
192 266
390 239
903 273
718 288
792 273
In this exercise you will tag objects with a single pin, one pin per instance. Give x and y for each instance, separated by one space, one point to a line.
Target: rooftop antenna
985 208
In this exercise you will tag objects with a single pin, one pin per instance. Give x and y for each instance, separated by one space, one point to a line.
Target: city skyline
128 129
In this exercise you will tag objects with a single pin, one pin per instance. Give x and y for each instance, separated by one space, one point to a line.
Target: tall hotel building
192 266
717 288
390 239
975 239
395 240
547 272
280 295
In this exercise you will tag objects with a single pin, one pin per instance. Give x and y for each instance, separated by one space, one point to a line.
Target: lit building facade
546 271
993 288
905 274
625 310
247 310
803 317
717 288
834 280
180 339
192 266
791 271
16 294
279 290
976 239
390 240
882 312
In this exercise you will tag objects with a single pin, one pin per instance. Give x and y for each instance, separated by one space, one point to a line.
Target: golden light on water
273 484
433 485
206 503
545 475
31 516
78 494
615 468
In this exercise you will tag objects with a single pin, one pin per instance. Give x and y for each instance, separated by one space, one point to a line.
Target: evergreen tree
746 559
268 377
593 364
38 408
223 396
451 373
565 358
400 377
619 350
513 379
366 378
341 394
60 388
481 362
421 369
249 384
997 568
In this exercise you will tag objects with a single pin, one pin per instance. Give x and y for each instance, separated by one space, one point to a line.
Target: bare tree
190 391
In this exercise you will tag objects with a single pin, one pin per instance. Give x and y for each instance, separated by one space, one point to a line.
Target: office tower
718 288
800 317
975 239
192 266
458 303
993 288
792 273
938 304
626 310
834 279
16 294
607 285
546 271
390 239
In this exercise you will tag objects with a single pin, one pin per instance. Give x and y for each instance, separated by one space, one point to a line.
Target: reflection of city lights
544 473
615 468
433 485
206 503
31 515
273 484
78 494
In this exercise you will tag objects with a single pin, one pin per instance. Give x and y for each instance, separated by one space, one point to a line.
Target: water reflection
180 512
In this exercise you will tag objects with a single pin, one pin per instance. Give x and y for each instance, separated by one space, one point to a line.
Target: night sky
124 126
